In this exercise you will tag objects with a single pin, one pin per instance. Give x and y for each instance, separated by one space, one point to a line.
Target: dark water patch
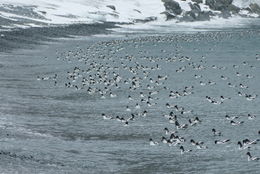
76 96
70 136
73 151
31 158
29 38
13 80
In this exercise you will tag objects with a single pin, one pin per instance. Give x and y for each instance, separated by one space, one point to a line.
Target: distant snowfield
88 11
57 12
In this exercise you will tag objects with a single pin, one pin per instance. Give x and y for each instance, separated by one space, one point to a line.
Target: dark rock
201 16
188 17
172 7
232 8
168 15
191 16
113 14
196 14
138 11
219 5
195 7
148 19
225 14
197 1
225 6
43 12
248 9
204 16
255 8
112 7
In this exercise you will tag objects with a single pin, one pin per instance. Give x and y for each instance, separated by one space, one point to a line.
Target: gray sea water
46 127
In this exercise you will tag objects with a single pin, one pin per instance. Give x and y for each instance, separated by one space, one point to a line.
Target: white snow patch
245 3
58 12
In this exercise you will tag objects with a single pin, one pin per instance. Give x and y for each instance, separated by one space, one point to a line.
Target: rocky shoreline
219 8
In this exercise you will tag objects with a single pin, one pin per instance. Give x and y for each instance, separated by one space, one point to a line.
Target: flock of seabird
106 68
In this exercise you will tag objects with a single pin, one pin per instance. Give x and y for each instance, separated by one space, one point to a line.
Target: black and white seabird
199 145
164 140
184 151
251 158
216 133
249 142
179 126
241 146
167 132
251 117
153 143
194 143
231 118
105 117
222 141
236 123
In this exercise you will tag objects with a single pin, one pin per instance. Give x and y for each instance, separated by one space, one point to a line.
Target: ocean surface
50 128
57 83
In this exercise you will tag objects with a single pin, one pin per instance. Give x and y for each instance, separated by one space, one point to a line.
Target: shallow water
48 128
